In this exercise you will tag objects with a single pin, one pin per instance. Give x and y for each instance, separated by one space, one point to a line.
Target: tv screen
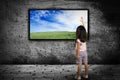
56 24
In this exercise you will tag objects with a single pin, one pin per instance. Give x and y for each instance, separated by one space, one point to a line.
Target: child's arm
77 50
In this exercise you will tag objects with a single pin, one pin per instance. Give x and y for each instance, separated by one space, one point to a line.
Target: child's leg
86 69
79 70
85 60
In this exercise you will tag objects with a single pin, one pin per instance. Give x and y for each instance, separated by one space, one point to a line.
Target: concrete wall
15 47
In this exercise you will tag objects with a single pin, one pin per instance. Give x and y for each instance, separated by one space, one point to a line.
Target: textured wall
16 48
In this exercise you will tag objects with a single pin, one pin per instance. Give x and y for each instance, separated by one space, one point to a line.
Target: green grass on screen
53 35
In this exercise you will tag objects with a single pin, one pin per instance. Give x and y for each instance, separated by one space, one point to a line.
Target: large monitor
56 24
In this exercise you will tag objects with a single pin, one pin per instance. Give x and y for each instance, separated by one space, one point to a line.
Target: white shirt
82 45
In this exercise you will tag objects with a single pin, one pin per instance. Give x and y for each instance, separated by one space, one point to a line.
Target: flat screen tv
56 24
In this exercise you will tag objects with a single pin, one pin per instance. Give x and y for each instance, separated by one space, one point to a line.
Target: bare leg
86 69
79 70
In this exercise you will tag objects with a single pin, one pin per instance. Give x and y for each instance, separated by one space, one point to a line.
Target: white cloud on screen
69 19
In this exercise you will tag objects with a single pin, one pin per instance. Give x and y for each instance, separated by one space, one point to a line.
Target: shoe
85 76
78 78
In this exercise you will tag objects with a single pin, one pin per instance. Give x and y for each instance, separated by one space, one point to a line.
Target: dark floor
57 72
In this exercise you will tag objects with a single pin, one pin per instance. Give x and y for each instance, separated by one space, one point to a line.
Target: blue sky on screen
56 20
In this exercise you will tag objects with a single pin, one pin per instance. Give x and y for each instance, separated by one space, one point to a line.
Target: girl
81 50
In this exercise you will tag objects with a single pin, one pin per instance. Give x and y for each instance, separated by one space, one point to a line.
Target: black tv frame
55 9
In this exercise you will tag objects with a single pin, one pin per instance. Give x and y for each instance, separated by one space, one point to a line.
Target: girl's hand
81 19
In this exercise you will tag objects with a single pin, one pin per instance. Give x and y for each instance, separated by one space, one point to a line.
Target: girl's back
82 45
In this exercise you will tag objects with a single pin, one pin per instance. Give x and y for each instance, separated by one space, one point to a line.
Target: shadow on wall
52 59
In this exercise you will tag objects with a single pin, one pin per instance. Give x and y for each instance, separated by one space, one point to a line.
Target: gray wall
15 47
